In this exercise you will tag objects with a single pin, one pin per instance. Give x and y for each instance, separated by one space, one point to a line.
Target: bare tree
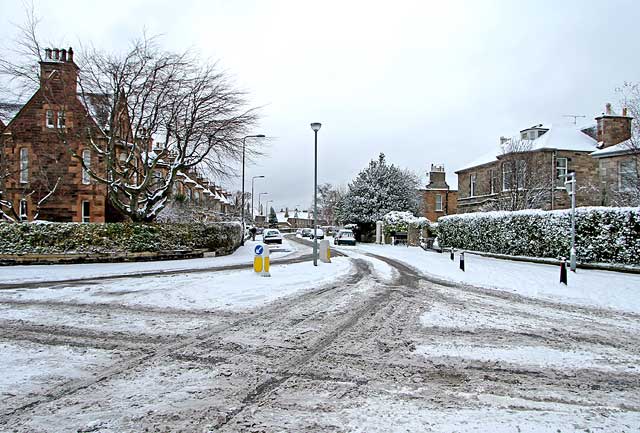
519 178
629 194
328 198
149 114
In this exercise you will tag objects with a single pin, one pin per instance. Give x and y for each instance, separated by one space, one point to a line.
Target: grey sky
420 81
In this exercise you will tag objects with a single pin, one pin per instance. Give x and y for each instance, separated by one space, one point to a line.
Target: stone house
529 171
438 199
39 177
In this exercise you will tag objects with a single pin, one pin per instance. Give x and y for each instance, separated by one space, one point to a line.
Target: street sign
259 250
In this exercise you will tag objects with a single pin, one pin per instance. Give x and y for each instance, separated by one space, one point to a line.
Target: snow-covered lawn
235 289
34 273
603 289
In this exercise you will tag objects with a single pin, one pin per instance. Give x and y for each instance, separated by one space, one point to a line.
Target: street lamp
259 196
243 146
316 127
252 180
570 185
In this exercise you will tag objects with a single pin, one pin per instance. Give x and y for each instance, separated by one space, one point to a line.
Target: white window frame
24 212
561 171
49 119
24 165
439 207
521 173
507 175
86 159
85 218
473 180
627 176
61 120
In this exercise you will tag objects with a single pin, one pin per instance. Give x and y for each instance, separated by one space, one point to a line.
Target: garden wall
74 238
603 234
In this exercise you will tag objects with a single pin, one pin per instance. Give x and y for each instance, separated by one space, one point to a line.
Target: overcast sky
424 82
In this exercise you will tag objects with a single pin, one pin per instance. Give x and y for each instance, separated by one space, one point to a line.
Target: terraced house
39 177
528 171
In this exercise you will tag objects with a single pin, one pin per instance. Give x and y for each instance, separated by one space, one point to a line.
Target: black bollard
451 254
462 261
563 271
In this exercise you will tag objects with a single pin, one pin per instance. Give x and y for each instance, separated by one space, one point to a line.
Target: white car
319 233
272 236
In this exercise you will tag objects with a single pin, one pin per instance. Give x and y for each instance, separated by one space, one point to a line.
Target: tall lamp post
316 127
570 185
252 180
259 197
244 139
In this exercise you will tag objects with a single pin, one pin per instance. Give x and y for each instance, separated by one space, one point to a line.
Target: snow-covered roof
8 111
558 137
99 107
187 179
618 149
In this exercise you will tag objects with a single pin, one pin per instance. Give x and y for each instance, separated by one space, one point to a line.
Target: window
196 197
521 168
188 194
24 165
86 211
472 184
627 175
24 215
438 202
62 121
561 171
86 160
507 174
50 123
493 181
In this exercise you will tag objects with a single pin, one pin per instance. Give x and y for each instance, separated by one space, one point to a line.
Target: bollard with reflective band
325 251
462 261
261 260
563 271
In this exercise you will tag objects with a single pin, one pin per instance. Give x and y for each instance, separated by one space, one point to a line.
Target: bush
607 235
57 238
396 221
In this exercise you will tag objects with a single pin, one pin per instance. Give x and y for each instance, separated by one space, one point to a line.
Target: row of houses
39 178
528 171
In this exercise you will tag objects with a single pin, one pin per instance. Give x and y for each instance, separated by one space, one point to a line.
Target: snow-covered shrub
603 234
396 221
58 238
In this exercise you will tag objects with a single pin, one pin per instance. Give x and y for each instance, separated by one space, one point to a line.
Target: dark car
344 237
307 233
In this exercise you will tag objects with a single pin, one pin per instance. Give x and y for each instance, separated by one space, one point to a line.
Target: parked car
307 233
299 232
344 237
319 233
272 236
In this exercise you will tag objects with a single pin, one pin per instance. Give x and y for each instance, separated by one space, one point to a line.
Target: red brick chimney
58 72
613 129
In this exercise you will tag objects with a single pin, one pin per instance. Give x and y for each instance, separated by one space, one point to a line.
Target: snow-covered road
363 344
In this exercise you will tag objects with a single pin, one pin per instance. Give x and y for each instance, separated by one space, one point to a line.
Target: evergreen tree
378 189
273 218
286 212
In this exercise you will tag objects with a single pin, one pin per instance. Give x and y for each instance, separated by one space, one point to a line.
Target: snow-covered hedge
397 221
55 238
603 234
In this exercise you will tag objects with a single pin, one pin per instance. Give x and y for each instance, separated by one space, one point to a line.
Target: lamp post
570 185
316 127
260 196
244 139
252 180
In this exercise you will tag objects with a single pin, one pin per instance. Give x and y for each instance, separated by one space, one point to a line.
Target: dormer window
50 121
532 134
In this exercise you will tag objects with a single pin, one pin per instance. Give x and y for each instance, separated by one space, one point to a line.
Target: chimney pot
70 54
607 108
56 54
624 111
63 55
47 53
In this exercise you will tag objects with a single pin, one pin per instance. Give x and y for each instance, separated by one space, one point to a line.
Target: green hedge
606 235
54 238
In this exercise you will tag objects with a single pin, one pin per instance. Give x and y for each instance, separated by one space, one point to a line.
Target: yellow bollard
266 264
257 264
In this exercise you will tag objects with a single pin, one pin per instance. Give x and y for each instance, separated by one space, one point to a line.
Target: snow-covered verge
61 238
603 234
596 288
35 273
227 290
